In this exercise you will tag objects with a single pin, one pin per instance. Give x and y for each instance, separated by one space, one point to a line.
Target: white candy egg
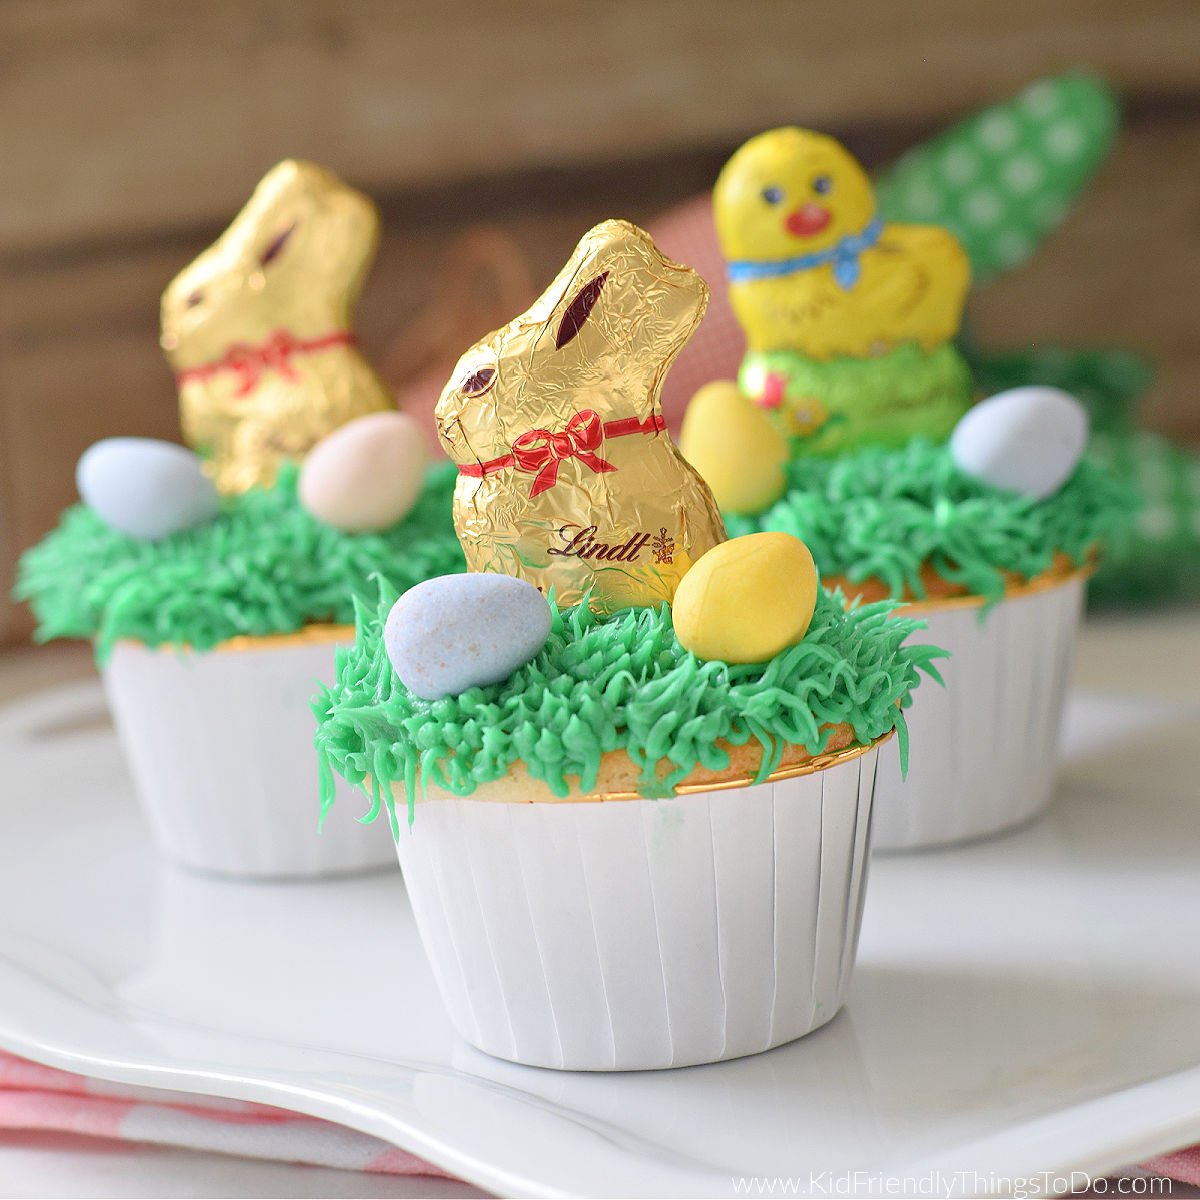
367 474
1027 440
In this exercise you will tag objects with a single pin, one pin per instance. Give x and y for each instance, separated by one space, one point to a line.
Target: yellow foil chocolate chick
812 266
567 475
258 328
747 600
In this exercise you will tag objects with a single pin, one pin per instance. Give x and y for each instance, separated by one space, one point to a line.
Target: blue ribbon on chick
843 256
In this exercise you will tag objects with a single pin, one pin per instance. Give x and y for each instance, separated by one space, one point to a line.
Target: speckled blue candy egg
146 488
461 631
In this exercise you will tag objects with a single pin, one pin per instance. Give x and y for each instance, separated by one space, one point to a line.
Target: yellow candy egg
735 447
747 599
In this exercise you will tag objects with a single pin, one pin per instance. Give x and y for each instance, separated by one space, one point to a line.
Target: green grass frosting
263 566
879 513
615 683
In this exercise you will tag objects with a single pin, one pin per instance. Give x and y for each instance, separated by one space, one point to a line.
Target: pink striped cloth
42 1099
1183 1166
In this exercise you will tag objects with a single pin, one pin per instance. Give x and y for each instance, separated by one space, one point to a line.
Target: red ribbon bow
539 450
248 361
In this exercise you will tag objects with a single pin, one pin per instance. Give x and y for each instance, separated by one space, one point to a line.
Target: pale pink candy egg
367 474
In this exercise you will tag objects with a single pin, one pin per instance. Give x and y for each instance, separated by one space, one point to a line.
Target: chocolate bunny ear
275 247
578 310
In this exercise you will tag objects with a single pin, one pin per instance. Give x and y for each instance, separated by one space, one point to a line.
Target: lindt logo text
582 543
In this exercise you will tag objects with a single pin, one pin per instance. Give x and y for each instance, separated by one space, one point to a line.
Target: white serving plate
1024 1005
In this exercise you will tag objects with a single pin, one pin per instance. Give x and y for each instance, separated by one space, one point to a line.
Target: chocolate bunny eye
579 310
194 299
275 248
478 382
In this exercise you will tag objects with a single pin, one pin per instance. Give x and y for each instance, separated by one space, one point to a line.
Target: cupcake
621 856
216 582
850 427
989 540
631 783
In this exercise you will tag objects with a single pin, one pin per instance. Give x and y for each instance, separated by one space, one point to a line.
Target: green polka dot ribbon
1005 178
1158 559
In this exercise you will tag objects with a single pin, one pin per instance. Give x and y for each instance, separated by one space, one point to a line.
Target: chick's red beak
807 220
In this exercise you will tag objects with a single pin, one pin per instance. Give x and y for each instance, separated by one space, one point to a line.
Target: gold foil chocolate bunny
258 328
567 475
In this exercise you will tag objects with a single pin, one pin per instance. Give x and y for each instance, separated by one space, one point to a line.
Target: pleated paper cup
983 749
623 934
220 745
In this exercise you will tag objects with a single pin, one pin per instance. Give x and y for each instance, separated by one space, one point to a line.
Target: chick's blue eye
822 184
772 195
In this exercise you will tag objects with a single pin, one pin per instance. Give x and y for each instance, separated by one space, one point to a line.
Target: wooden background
132 131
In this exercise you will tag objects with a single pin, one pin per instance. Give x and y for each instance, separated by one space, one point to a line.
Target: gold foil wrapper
258 328
616 781
567 475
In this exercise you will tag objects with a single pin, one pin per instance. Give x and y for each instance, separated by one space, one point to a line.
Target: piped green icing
886 400
264 566
619 683
882 513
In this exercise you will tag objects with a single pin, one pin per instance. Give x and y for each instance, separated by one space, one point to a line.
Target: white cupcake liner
983 748
220 745
639 934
